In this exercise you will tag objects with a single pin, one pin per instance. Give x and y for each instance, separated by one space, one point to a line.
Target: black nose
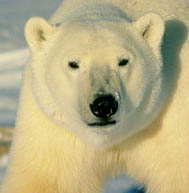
104 106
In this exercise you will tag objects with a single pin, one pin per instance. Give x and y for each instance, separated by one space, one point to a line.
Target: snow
3 164
11 67
122 184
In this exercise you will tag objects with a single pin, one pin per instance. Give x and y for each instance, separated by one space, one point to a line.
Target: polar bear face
102 80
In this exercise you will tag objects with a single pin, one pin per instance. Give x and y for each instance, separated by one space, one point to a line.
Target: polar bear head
101 80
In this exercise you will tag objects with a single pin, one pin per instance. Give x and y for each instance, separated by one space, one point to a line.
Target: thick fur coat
53 151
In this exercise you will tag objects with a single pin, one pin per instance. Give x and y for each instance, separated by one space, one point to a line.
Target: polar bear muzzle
104 106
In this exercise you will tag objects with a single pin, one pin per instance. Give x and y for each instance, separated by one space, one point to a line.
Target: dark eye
73 64
123 62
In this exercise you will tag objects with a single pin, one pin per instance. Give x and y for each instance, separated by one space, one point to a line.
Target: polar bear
104 91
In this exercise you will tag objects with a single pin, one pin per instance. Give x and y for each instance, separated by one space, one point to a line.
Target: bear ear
151 28
37 32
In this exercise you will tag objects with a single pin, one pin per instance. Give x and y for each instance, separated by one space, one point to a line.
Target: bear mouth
102 123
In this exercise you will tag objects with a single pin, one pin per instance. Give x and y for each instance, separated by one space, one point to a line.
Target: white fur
144 67
54 150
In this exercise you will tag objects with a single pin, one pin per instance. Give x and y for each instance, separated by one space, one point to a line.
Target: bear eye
73 65
123 62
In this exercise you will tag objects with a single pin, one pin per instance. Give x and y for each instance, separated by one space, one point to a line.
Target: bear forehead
94 37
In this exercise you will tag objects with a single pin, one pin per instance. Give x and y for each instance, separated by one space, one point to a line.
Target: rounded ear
37 32
151 28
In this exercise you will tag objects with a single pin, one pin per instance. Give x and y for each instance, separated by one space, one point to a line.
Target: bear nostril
104 106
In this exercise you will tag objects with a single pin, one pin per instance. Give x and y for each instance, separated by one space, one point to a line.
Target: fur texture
53 148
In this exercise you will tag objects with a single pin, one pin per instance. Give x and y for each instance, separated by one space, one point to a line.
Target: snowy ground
3 164
11 67
13 57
